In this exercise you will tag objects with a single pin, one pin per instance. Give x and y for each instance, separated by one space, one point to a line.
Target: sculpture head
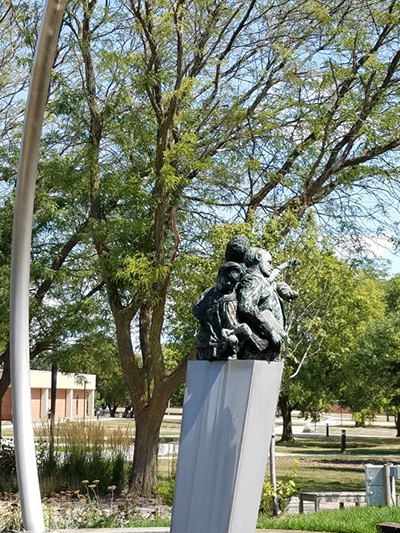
236 248
229 275
260 258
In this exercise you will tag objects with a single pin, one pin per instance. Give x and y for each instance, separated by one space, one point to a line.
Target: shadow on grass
354 446
330 478
333 486
334 468
325 475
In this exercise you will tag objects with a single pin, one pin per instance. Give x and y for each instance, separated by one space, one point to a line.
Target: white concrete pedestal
228 418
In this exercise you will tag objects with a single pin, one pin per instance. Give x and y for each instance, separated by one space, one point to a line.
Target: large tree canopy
370 382
165 118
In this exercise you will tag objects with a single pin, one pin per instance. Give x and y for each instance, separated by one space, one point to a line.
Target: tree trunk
4 381
145 459
6 373
397 422
286 411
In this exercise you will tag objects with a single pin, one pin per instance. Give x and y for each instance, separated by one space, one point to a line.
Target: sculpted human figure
260 305
242 317
220 332
236 249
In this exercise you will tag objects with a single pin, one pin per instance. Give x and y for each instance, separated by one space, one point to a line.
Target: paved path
159 530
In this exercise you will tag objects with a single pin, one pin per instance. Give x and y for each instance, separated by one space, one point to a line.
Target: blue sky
383 248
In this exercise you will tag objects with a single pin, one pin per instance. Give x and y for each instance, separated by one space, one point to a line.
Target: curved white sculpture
32 514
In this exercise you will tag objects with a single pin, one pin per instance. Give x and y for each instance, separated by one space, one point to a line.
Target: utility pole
53 399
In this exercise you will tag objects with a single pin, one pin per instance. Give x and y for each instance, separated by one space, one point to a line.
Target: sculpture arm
291 263
286 292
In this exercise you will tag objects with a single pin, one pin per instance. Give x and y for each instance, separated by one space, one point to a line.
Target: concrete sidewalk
159 530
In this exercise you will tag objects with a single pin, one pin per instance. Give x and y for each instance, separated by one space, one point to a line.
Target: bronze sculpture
217 311
242 317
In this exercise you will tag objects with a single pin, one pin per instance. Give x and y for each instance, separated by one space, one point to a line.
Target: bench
388 527
341 497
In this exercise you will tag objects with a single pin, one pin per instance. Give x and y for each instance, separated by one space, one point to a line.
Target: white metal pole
272 471
388 486
32 514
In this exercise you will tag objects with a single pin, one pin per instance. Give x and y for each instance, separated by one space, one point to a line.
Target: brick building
75 395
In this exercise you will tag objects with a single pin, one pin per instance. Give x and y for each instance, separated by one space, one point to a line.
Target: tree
370 374
62 305
166 118
336 303
94 353
111 386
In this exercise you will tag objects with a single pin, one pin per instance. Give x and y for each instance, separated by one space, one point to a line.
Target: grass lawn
154 522
322 474
316 460
319 465
355 445
356 520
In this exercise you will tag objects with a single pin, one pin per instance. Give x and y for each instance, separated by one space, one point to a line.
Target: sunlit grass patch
355 520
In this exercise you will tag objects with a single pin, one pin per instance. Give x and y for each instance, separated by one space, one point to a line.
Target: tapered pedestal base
228 419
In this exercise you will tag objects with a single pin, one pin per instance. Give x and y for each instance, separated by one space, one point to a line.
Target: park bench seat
388 527
341 497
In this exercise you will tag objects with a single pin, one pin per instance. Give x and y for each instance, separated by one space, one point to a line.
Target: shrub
69 514
165 489
11 517
7 458
361 418
8 469
284 491
86 451
67 469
